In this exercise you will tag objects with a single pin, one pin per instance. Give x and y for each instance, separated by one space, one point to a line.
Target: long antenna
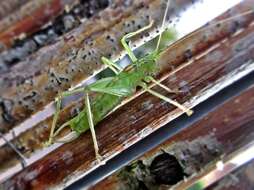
162 25
204 28
13 147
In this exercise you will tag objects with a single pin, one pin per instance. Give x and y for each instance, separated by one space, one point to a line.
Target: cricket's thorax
147 65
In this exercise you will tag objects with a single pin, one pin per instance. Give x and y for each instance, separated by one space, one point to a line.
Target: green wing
110 86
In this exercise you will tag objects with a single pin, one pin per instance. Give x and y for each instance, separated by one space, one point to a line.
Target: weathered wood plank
212 138
9 6
215 67
72 16
241 178
28 19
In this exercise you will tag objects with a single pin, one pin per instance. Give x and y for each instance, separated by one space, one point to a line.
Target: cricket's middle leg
91 125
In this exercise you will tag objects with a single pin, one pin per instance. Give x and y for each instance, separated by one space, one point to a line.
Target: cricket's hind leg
22 158
56 115
175 103
129 35
151 79
91 125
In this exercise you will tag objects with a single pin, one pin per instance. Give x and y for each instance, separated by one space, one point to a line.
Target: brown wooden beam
9 6
228 53
28 19
212 138
241 178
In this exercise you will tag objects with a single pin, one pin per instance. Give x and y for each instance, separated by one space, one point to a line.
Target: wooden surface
241 178
75 13
198 148
9 6
29 18
217 58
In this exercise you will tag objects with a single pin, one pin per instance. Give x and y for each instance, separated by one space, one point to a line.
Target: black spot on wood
6 106
188 54
166 169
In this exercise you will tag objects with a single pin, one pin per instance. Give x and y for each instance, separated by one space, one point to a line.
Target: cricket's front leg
129 35
114 67
91 125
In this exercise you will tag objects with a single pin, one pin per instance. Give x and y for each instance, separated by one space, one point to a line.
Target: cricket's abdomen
102 105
